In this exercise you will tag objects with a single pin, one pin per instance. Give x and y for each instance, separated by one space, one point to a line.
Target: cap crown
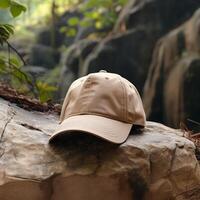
104 94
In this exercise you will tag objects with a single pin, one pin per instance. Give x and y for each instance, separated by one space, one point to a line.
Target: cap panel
71 93
101 95
135 110
140 116
106 96
70 101
87 93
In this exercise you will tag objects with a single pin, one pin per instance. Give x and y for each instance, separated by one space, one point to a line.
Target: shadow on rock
80 149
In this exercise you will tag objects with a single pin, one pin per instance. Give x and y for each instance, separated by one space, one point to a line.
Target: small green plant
11 73
45 91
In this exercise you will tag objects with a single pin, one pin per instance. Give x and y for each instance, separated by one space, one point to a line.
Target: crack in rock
173 157
30 127
10 113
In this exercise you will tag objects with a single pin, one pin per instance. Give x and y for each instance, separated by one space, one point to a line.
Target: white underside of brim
108 129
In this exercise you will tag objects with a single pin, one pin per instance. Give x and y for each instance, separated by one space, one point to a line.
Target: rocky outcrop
181 93
127 54
157 163
44 37
172 86
158 15
141 23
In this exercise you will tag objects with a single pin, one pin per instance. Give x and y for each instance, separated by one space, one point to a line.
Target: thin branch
15 50
32 87
7 122
195 122
9 55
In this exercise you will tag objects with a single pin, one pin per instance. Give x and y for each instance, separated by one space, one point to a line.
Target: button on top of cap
103 71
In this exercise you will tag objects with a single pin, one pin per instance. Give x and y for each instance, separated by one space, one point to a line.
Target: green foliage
4 3
6 30
15 8
97 13
10 65
102 13
10 71
73 21
45 91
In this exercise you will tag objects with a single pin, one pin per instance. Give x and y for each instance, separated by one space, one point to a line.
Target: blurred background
155 44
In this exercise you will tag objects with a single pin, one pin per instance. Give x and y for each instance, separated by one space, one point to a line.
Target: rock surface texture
171 90
156 164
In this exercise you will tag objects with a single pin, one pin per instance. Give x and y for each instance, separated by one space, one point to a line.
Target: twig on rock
25 102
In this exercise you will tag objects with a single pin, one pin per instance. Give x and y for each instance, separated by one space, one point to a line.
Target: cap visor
105 128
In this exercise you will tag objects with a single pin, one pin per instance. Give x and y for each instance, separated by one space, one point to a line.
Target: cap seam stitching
140 99
124 98
67 94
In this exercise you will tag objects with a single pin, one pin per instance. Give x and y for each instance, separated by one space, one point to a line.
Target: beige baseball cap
102 104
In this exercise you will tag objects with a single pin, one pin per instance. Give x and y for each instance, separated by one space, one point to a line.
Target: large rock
45 37
74 57
158 15
156 164
127 54
44 56
172 83
181 93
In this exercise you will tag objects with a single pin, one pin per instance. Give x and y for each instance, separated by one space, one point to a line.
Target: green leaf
4 3
45 91
16 8
71 32
9 28
63 29
123 2
4 34
96 15
5 31
15 62
99 25
86 22
73 21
